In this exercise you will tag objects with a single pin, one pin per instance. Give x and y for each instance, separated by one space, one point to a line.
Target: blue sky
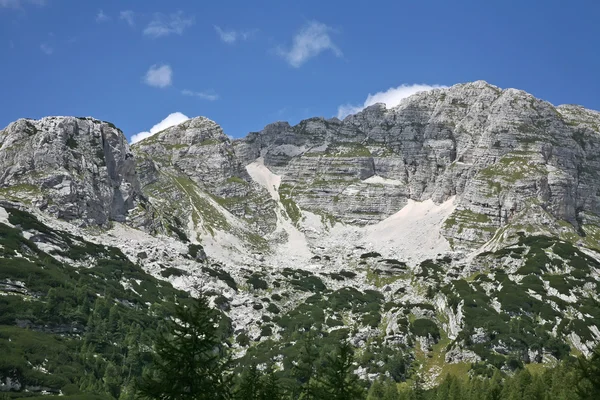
245 64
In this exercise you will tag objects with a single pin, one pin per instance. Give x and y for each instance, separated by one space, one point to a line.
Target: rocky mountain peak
79 169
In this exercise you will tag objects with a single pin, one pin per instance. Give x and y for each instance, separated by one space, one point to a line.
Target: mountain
457 230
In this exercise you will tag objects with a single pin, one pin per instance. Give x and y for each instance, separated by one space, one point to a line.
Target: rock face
499 151
192 172
78 169
507 158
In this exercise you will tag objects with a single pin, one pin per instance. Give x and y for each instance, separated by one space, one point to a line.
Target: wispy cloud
205 95
309 42
165 25
391 97
226 36
159 76
101 16
46 49
127 16
20 3
173 119
232 36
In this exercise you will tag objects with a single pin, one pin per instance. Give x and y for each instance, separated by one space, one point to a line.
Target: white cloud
164 25
173 119
230 37
226 36
248 34
20 3
206 95
46 49
159 76
101 16
127 16
391 97
309 42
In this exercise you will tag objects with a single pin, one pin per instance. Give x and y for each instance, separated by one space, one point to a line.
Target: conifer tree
588 376
376 391
112 380
249 387
305 369
383 389
391 390
337 378
455 391
188 363
270 385
495 388
417 392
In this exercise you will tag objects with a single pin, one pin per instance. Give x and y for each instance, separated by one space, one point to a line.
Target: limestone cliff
499 152
77 169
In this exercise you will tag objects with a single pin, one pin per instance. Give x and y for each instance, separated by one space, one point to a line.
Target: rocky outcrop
191 171
498 151
77 169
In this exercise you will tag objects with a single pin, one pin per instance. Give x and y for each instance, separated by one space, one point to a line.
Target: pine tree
338 381
270 386
417 392
187 362
494 391
376 391
455 391
517 386
249 387
383 389
112 380
443 390
304 370
588 376
391 390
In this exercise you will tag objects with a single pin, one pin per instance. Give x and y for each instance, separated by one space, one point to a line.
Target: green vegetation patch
290 206
217 272
425 327
512 167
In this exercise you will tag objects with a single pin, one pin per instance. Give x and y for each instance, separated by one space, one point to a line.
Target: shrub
180 234
257 282
272 308
194 249
242 339
172 271
309 284
425 327
221 275
347 274
71 143
266 331
371 254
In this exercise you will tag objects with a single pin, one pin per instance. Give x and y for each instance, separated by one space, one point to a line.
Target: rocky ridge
442 210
